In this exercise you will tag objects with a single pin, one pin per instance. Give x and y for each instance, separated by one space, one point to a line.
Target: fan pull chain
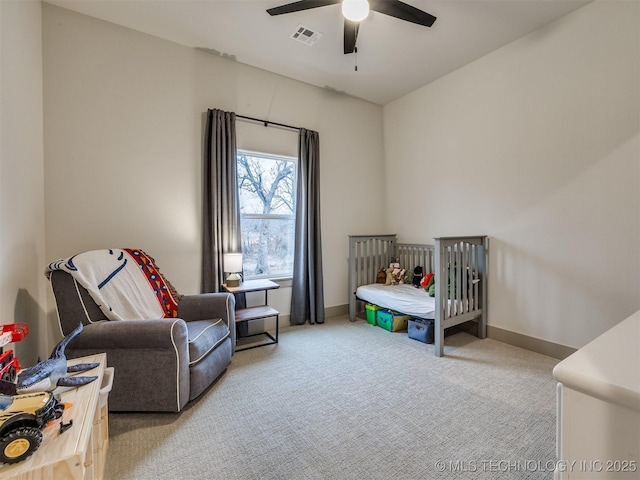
355 58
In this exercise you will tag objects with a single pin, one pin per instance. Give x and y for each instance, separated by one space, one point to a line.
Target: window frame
270 216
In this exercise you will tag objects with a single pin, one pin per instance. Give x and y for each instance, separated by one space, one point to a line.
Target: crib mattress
406 299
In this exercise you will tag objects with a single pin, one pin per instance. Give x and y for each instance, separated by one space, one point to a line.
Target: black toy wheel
18 444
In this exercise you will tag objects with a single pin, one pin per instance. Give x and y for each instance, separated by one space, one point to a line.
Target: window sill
282 281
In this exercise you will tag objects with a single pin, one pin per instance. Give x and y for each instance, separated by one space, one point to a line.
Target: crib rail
410 255
367 255
461 279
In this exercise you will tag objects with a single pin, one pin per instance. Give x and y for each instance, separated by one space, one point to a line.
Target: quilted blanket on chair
125 283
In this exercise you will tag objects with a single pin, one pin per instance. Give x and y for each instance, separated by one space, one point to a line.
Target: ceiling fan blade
401 10
350 35
299 6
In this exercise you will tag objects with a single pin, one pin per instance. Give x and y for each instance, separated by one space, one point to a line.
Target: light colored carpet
348 400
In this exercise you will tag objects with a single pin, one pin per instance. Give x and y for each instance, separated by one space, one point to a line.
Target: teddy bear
389 276
395 276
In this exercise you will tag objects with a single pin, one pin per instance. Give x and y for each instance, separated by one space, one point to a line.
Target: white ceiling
394 57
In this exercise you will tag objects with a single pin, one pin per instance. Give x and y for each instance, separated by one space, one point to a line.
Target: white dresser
598 407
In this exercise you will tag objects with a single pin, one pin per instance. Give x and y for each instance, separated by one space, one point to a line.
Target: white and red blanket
125 283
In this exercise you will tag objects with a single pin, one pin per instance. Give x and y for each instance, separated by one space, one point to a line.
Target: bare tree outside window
266 184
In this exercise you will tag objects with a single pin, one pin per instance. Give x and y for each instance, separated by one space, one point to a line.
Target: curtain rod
267 122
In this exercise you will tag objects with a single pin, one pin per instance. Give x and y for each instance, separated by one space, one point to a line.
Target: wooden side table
80 452
259 312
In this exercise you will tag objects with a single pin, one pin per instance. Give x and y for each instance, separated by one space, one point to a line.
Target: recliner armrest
205 306
134 334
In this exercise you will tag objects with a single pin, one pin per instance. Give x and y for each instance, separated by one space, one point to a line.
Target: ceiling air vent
305 35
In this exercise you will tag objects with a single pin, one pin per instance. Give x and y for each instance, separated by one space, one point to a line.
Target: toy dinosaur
51 373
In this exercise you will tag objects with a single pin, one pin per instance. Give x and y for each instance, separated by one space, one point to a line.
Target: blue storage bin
421 330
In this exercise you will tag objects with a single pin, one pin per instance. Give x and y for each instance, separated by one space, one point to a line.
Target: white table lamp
233 266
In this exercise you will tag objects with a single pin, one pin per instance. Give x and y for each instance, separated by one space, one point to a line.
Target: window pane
266 186
267 246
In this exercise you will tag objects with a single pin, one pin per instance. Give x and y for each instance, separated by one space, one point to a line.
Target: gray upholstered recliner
160 364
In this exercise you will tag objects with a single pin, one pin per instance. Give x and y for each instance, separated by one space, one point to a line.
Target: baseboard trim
336 311
544 347
285 320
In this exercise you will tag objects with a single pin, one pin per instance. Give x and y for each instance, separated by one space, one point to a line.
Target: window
267 186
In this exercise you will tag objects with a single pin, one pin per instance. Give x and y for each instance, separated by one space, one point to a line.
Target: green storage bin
372 311
392 321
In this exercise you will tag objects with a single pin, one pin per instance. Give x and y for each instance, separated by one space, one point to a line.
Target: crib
461 279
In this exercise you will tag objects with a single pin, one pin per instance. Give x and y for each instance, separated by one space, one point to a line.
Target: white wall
22 238
536 145
123 145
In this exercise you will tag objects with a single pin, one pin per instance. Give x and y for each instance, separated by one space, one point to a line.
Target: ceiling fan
355 11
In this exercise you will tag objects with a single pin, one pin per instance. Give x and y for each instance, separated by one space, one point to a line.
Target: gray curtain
221 206
307 293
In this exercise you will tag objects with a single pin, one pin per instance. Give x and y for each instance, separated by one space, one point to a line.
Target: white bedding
405 299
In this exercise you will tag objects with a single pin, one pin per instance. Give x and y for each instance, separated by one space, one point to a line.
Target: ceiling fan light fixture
355 10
